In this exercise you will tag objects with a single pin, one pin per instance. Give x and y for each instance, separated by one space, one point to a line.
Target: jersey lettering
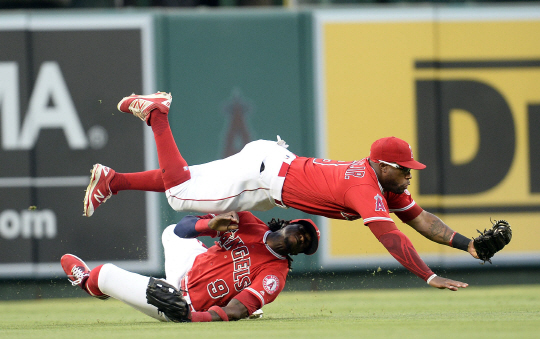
244 282
240 257
229 240
218 289
239 253
330 162
356 169
379 203
241 271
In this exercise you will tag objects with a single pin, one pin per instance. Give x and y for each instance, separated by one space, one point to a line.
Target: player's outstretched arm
401 248
442 283
432 227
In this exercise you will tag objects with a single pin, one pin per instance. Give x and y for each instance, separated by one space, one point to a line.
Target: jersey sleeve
263 290
403 205
369 202
401 248
194 226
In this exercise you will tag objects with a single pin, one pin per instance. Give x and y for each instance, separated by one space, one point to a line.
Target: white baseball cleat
141 105
98 190
256 315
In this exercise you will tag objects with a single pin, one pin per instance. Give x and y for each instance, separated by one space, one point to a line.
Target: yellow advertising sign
464 92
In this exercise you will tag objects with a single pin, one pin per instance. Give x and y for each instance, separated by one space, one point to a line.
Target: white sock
127 287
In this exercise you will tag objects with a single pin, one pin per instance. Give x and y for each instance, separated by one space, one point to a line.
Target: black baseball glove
493 240
168 300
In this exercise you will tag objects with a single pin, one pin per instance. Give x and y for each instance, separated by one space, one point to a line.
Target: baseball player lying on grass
264 174
245 270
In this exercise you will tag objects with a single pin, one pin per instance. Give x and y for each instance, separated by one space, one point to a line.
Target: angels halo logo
270 283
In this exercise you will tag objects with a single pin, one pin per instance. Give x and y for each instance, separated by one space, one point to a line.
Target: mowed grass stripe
479 312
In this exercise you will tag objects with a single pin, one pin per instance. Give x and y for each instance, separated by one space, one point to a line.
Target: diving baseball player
265 174
246 269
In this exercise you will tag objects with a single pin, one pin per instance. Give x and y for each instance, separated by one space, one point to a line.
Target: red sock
91 283
140 181
174 169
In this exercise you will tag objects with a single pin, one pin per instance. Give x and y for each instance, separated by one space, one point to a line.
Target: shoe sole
94 179
161 95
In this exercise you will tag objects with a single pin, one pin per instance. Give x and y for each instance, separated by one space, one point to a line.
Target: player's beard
400 189
397 188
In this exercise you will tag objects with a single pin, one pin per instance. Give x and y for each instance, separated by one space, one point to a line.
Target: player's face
396 180
296 238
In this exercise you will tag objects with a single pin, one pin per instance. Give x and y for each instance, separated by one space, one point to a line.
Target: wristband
202 225
199 317
460 241
219 312
431 278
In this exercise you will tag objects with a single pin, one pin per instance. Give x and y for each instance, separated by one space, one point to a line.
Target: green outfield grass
476 312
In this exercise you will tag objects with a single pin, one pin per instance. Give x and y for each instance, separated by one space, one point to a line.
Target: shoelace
78 273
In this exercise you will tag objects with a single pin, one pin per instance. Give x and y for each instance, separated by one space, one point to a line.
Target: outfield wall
460 84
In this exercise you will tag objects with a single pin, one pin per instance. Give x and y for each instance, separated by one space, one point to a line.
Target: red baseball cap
392 149
313 230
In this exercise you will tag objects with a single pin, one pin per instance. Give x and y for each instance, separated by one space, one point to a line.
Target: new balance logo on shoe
98 190
99 196
141 105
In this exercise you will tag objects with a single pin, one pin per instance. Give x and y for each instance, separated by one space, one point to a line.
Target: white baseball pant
249 180
130 287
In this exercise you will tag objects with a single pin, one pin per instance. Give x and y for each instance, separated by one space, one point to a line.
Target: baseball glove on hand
168 300
493 240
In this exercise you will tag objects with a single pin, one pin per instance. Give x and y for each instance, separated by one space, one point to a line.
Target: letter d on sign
435 100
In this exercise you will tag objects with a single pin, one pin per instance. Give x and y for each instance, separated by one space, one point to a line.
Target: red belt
282 173
283 170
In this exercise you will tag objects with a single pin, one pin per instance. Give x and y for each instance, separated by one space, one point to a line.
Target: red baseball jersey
240 265
343 190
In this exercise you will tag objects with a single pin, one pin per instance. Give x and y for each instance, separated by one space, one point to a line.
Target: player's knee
168 232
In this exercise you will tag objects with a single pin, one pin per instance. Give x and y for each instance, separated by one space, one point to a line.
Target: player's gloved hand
168 300
492 240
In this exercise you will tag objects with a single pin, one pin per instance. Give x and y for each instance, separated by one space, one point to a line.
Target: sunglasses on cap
404 170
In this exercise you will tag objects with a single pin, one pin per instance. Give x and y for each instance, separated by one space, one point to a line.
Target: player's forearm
401 248
235 310
433 228
191 227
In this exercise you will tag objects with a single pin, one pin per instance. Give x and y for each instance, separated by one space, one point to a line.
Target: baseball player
264 174
245 270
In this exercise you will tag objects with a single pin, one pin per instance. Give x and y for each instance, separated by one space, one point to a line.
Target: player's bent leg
98 190
129 288
174 168
180 254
